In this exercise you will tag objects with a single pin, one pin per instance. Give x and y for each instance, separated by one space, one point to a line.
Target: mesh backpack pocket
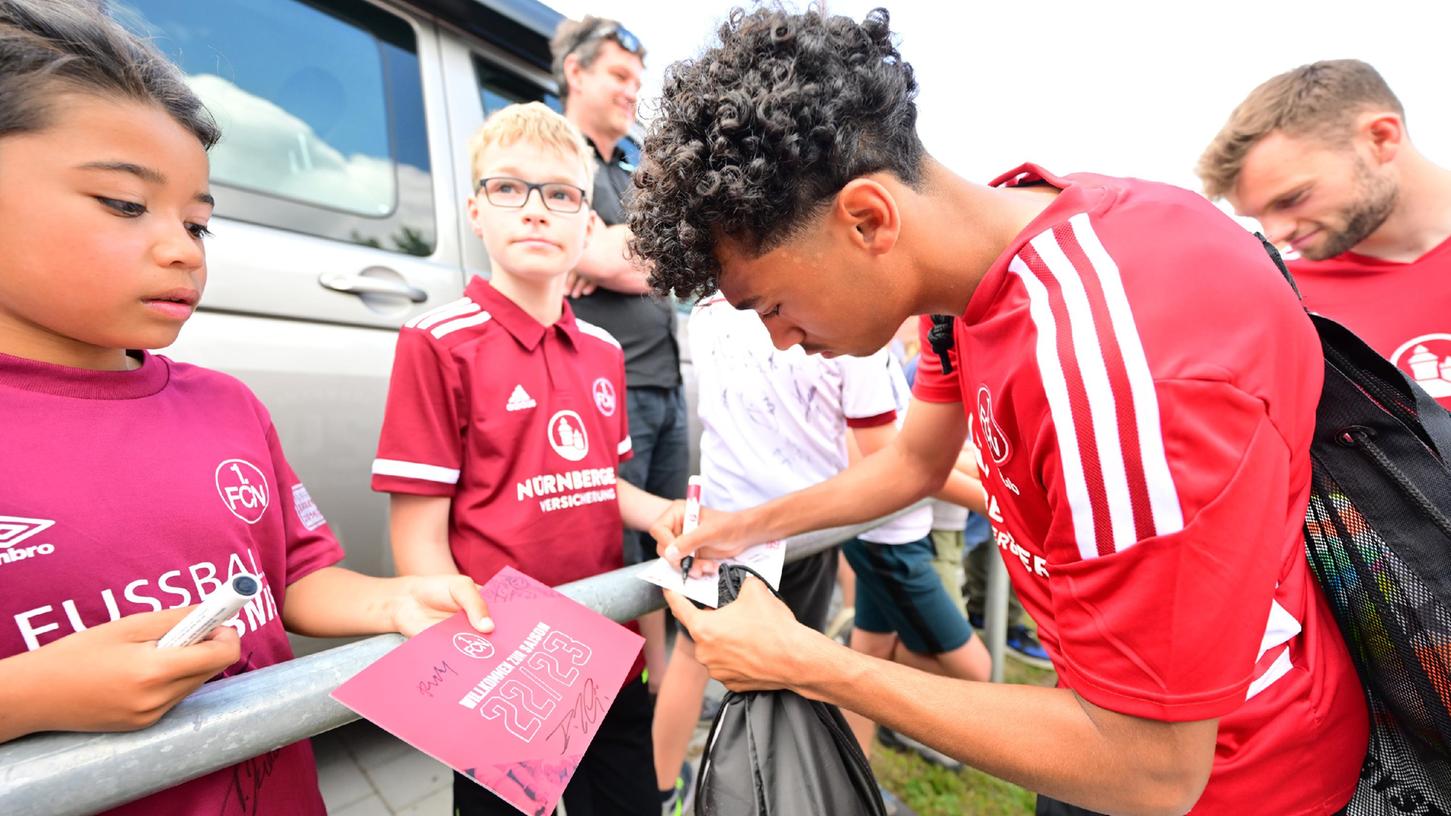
1378 539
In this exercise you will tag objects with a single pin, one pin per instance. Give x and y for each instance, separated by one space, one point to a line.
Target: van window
321 110
498 88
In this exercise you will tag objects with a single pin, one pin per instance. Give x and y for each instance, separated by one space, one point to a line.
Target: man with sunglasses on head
598 64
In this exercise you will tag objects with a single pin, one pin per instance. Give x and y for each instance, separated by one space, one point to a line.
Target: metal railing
230 720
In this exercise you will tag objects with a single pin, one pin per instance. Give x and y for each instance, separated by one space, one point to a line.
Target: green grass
933 791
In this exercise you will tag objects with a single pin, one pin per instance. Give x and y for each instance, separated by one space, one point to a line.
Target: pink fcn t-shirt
133 491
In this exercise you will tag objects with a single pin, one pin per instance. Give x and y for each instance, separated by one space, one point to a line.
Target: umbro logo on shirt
14 530
520 400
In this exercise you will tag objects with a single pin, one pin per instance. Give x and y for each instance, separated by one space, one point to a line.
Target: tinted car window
498 89
321 110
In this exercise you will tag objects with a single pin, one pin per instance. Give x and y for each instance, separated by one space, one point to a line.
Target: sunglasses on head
623 37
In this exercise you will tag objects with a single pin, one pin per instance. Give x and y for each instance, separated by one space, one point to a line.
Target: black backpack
776 753
1378 537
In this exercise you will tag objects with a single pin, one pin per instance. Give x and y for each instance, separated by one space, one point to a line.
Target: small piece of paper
766 559
515 709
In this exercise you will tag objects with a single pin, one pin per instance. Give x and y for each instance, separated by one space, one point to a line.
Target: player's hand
751 643
718 536
577 285
112 677
424 600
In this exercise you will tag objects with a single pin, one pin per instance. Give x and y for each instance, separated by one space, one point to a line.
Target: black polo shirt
644 325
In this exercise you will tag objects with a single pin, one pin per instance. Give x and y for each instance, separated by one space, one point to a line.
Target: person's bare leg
677 708
876 644
652 628
970 661
846 579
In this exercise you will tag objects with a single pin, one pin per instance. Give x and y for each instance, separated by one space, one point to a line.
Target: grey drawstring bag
776 753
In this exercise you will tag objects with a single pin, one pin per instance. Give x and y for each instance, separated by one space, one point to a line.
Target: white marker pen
226 601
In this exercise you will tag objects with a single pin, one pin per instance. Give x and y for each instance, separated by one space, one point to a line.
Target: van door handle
363 285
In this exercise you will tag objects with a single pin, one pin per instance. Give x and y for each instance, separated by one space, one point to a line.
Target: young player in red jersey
133 485
1145 457
506 423
1322 156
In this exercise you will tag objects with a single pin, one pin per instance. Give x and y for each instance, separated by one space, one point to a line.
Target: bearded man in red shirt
1322 156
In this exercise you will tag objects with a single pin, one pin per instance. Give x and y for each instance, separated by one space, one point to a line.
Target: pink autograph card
514 709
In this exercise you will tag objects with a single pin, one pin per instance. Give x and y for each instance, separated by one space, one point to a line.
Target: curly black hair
755 135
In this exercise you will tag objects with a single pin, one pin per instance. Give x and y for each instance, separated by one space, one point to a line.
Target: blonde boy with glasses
506 425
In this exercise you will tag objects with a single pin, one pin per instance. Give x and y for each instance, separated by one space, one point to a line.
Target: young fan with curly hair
1147 471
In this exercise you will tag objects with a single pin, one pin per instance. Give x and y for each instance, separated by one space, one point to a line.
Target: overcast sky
1114 86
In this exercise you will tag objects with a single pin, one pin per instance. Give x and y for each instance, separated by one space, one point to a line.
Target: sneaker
1025 648
902 742
679 801
894 806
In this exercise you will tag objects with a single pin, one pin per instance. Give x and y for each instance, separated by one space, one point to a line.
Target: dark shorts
1052 807
898 590
615 778
660 463
806 588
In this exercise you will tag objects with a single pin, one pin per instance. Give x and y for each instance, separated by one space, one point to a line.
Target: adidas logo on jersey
520 399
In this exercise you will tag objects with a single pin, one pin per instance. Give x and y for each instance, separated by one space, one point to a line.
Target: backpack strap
942 339
1279 262
731 577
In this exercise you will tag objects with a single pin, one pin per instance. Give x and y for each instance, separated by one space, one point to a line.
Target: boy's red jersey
136 491
521 425
1141 385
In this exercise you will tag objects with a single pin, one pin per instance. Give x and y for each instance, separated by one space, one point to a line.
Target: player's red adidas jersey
1141 384
1399 309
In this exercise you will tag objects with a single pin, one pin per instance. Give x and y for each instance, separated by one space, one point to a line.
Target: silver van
340 182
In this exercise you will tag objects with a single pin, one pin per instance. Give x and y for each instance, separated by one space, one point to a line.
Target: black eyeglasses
622 36
503 191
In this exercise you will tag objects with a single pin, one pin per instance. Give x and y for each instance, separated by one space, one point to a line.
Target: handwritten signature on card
435 678
588 709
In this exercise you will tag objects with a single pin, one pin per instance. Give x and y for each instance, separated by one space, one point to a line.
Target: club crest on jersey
474 646
244 489
994 441
1427 359
567 436
604 393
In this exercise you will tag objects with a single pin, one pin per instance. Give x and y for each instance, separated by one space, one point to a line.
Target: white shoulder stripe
461 323
1103 411
1100 390
592 329
451 309
1055 386
1163 496
415 470
624 448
